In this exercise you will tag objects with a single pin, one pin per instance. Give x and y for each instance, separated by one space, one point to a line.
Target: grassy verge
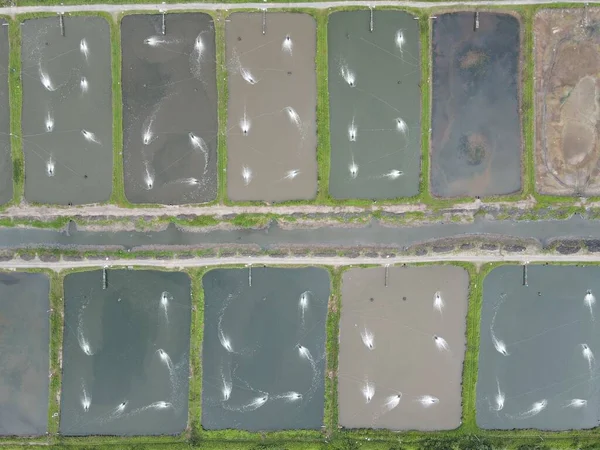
323 130
222 102
332 350
56 345
197 334
16 100
118 186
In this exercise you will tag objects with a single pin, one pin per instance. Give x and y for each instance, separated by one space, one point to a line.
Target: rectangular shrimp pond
476 127
67 110
126 353
169 108
539 334
271 128
402 347
6 167
375 98
264 348
24 347
567 64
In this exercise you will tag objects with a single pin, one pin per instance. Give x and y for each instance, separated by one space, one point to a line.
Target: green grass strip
222 102
332 351
197 334
118 188
323 125
16 100
56 345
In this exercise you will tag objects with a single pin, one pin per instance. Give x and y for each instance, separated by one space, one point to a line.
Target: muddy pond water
374 88
539 335
125 353
402 347
6 167
169 108
24 344
67 110
476 128
264 348
271 128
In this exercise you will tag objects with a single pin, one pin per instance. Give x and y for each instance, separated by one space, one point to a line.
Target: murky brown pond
6 169
271 138
67 110
476 126
24 339
402 347
169 108
567 64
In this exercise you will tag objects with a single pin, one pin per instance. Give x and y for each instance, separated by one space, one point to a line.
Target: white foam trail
155 41
392 401
224 340
500 346
49 122
348 76
401 125
287 45
149 177
368 391
199 144
589 301
50 167
588 355
252 406
289 396
165 299
352 131
86 400
368 338
159 405
165 358
316 373
46 81
83 342
199 45
438 302
576 403
147 133
245 124
119 409
247 175
291 174
294 117
191 181
499 398
227 387
393 174
428 400
535 409
83 48
90 137
441 343
247 76
305 353
400 40
303 304
353 169
83 84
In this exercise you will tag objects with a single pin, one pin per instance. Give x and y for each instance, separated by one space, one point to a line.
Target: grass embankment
118 187
16 100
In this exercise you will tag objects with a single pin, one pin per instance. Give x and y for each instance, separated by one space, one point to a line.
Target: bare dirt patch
567 64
